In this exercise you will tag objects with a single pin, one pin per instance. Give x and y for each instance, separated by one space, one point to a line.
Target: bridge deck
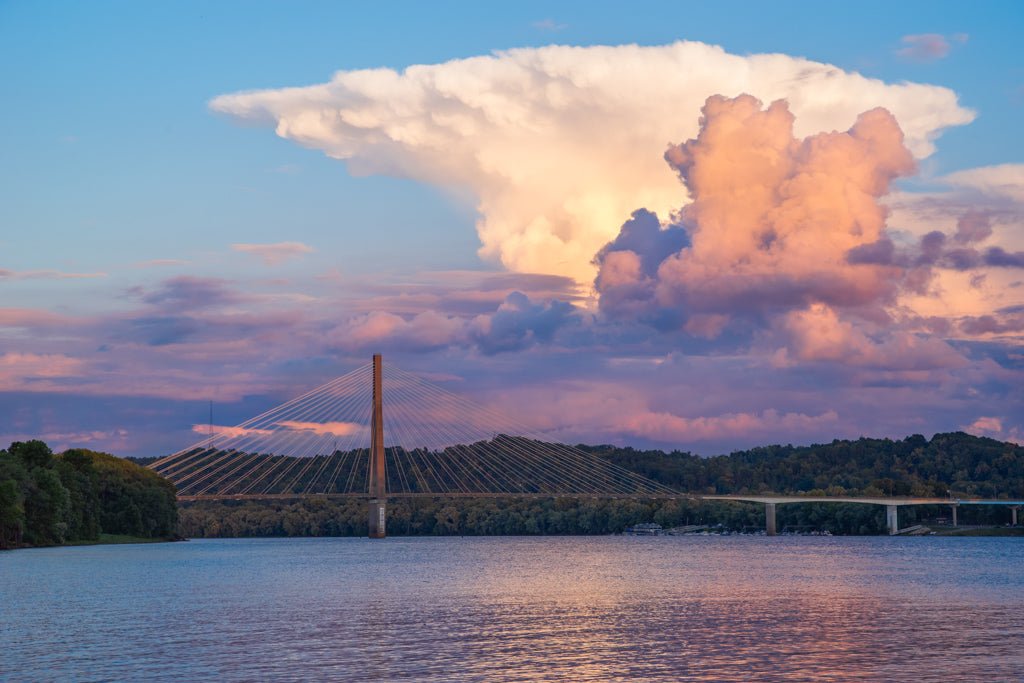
863 500
777 500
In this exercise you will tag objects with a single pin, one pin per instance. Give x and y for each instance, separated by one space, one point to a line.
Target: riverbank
980 531
119 539
105 539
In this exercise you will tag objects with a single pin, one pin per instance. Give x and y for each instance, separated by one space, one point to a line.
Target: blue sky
110 131
115 167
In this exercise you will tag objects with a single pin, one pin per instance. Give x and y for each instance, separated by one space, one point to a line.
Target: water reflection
556 609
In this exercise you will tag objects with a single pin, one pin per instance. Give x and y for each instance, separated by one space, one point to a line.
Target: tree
12 511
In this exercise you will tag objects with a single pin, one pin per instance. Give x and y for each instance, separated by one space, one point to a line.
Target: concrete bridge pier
769 518
378 518
892 519
377 474
953 507
1013 516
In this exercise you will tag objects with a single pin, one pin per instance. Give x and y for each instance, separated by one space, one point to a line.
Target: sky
695 226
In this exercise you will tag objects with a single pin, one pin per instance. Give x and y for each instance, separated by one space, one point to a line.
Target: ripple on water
517 609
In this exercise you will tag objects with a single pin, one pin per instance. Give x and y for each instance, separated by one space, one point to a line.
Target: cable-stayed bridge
380 432
336 441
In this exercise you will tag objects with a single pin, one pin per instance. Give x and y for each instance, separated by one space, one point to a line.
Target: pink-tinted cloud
188 292
228 431
669 428
786 244
17 367
773 217
31 318
46 275
772 220
276 253
517 323
927 47
817 334
160 263
938 250
324 428
556 145
1003 321
426 330
993 427
113 440
1004 181
625 411
464 293
973 226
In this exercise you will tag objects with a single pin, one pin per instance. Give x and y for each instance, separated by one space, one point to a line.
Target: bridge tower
376 474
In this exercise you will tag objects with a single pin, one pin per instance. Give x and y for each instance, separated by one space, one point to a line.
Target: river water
517 609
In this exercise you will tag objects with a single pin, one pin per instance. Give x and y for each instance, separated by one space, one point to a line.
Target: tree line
50 499
949 465
954 464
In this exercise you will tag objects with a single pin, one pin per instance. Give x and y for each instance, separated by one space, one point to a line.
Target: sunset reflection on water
520 609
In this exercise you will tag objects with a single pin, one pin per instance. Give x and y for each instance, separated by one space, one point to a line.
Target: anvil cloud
557 144
701 250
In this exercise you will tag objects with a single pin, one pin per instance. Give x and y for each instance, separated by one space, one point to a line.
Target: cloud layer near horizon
556 145
764 286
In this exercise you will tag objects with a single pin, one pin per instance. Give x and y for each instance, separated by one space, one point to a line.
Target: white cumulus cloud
558 145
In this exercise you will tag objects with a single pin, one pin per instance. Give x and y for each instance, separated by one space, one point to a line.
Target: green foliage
504 516
12 501
80 479
45 500
966 465
134 501
958 463
77 495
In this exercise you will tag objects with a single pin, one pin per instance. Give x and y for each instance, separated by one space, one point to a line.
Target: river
517 609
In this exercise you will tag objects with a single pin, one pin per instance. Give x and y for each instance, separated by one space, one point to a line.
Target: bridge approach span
331 442
891 505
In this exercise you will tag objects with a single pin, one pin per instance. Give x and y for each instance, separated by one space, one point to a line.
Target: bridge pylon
377 475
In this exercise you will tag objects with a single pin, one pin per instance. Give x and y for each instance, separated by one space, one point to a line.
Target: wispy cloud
26 371
160 263
550 25
1000 181
276 253
324 428
46 275
228 431
992 427
928 47
187 292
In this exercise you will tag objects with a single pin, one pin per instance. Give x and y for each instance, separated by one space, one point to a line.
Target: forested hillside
954 464
48 499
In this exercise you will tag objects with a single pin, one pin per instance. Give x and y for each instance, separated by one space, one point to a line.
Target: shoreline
980 532
104 539
122 539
